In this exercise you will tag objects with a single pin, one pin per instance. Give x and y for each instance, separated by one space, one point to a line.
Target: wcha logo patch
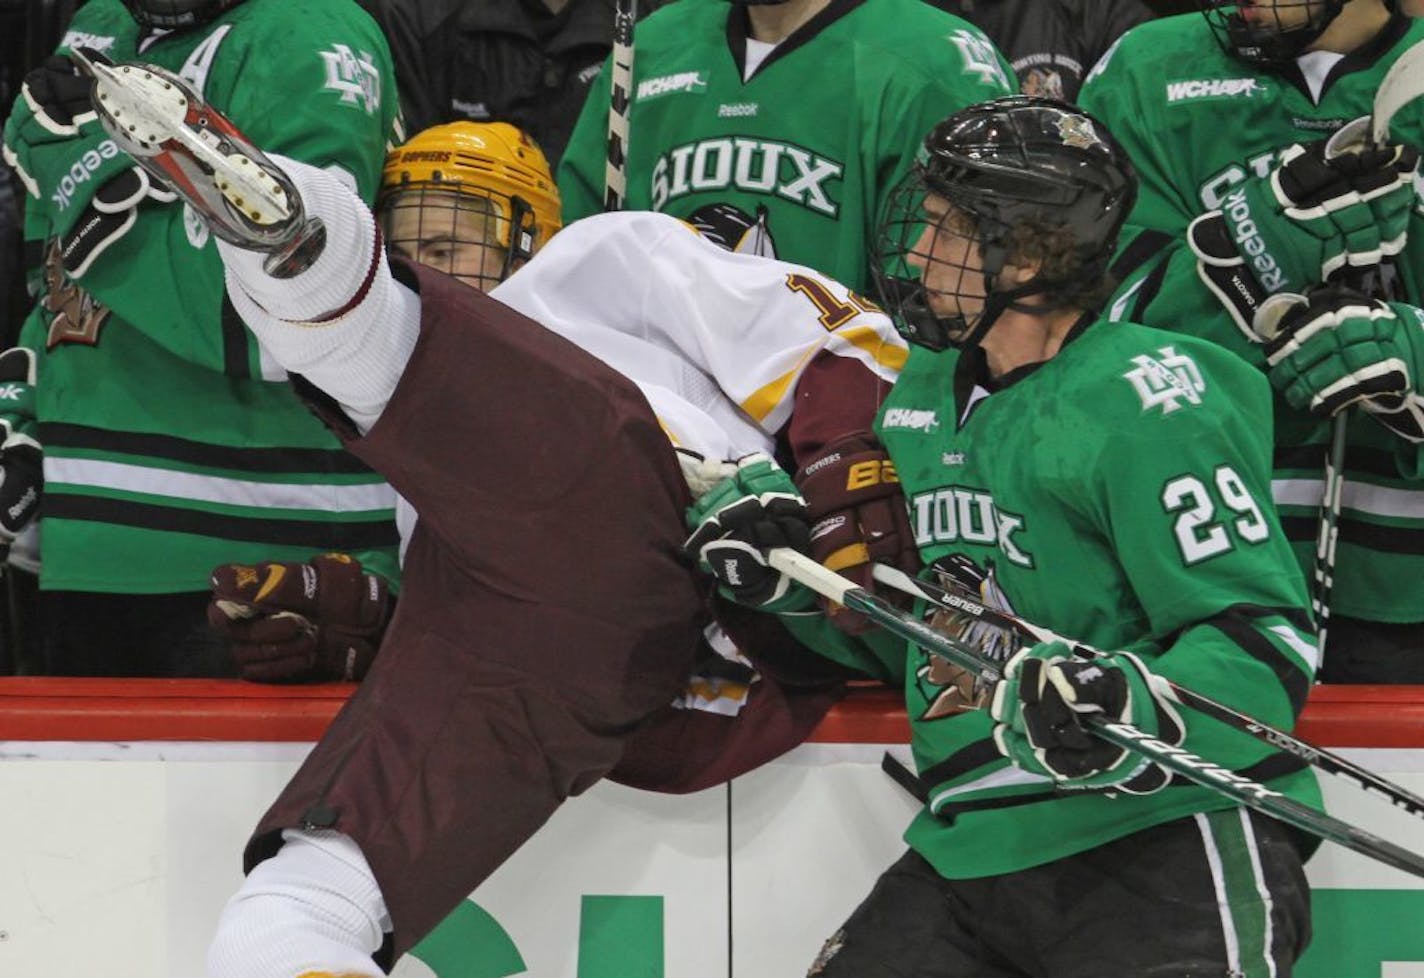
1198 90
683 81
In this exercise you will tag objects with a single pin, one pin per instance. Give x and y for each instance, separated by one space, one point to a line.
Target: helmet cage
1265 38
999 172
478 235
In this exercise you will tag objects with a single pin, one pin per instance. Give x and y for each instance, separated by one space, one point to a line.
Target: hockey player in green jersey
172 443
1227 116
780 128
1111 482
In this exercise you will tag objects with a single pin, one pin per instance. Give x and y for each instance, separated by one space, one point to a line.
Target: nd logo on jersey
1166 380
957 514
756 166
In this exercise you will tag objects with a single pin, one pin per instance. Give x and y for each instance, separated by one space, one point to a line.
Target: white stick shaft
620 98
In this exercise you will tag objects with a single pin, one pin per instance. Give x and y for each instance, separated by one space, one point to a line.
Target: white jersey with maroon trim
718 342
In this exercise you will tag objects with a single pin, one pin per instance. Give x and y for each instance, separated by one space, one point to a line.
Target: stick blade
1402 84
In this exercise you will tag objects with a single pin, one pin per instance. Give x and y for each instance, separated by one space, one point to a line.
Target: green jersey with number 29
1117 493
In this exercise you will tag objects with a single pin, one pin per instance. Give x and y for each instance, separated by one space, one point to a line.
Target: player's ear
1014 274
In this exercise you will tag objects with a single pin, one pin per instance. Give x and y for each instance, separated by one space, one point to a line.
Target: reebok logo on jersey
471 110
13 392
1166 379
1213 88
81 171
910 419
683 81
737 110
754 166
353 74
1237 211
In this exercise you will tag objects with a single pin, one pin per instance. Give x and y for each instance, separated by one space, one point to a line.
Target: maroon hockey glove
291 622
858 516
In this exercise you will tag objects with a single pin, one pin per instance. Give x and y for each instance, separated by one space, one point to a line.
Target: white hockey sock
313 907
352 345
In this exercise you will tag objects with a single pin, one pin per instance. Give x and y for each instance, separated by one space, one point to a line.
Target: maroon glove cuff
858 514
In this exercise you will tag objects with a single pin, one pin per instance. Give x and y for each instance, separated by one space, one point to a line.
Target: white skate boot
189 147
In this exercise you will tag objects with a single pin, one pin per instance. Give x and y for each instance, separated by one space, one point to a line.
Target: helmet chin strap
997 303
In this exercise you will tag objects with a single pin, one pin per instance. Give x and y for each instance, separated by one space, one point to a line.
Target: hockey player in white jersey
547 612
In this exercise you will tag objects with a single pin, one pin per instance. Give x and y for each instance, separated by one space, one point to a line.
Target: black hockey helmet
176 14
1268 33
1010 170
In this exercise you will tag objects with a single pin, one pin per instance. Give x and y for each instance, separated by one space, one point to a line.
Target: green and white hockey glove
84 188
21 459
1313 216
1337 347
737 521
1039 708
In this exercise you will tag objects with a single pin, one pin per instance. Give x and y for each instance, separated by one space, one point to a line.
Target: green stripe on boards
1243 894
1357 931
621 937
470 944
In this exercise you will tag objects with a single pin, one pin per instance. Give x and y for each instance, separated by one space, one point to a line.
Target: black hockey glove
1336 348
21 471
737 521
107 218
858 516
290 622
58 94
1038 712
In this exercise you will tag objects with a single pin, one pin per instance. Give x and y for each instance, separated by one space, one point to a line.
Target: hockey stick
1253 794
1323 567
1402 84
948 600
620 98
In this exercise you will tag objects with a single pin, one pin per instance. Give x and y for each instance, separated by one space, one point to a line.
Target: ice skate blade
146 113
192 149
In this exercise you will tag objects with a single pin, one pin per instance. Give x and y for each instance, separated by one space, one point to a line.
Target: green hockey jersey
796 162
172 444
1196 123
1116 493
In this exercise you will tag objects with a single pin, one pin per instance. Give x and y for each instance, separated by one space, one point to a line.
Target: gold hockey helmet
473 199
